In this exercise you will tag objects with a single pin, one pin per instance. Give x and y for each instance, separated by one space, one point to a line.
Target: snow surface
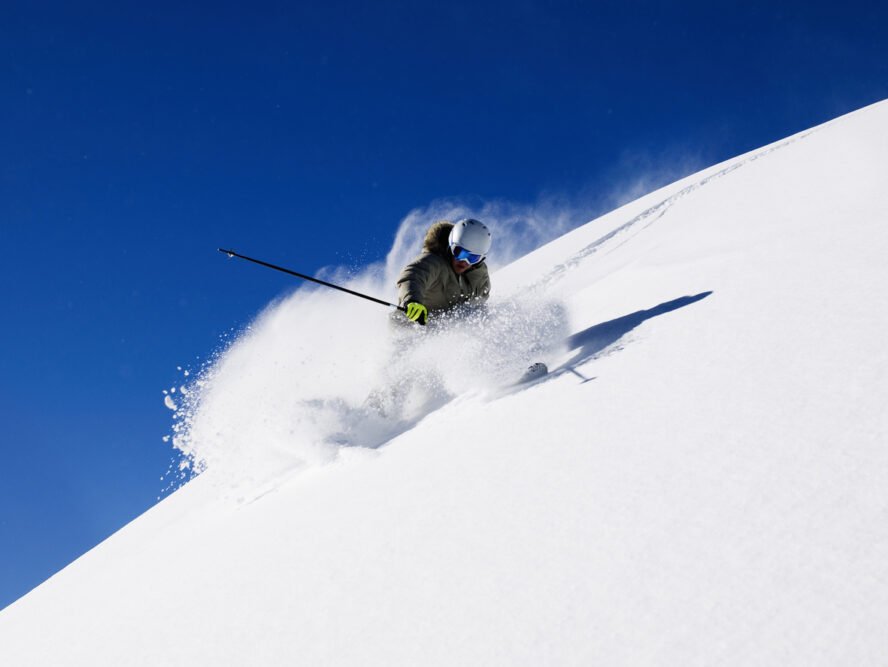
701 479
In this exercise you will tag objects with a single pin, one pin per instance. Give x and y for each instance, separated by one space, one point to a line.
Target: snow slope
702 479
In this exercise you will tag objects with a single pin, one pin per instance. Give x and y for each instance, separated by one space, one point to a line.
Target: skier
449 272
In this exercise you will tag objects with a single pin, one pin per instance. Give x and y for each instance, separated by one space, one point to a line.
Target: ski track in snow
649 216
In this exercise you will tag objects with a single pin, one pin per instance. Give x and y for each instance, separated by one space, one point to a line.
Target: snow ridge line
652 214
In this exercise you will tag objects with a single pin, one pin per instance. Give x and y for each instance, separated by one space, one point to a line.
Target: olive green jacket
430 279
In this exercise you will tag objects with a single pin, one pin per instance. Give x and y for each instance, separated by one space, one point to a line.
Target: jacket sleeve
481 285
484 288
414 279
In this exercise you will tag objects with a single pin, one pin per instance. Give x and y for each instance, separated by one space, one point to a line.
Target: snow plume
517 228
637 172
320 370
303 382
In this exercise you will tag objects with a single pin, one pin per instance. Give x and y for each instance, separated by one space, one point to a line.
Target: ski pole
231 253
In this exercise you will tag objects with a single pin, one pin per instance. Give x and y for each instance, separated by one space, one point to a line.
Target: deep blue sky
136 139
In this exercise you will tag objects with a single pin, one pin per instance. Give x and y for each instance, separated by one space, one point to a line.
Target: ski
534 372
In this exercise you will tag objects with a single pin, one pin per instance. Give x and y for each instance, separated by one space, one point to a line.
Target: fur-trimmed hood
437 239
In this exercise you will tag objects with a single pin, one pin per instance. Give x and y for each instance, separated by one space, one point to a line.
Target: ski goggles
462 254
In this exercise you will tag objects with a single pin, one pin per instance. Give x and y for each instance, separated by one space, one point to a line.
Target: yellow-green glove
416 312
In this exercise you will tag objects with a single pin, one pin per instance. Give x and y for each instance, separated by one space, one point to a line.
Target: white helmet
472 238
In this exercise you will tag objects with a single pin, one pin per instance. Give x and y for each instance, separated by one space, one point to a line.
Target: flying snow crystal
168 401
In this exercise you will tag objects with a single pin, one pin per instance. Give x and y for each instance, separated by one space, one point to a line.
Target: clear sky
135 139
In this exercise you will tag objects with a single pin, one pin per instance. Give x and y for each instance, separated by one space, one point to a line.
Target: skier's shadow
595 339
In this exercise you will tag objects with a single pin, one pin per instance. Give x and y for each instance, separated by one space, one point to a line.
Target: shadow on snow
594 340
371 426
